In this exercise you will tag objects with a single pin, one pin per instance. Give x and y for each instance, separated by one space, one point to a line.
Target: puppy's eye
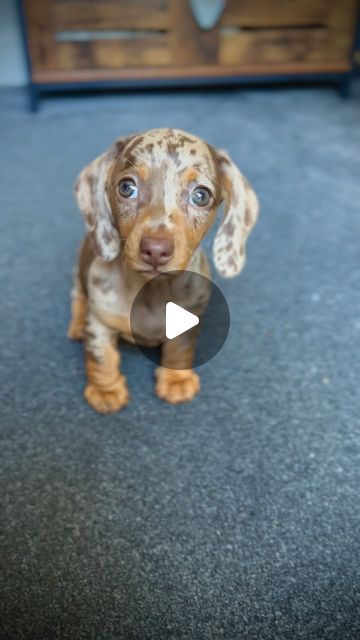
200 197
127 188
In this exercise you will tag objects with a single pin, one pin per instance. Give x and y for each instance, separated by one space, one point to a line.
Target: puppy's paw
176 385
108 400
75 330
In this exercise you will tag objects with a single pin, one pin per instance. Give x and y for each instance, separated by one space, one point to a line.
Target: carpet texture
236 516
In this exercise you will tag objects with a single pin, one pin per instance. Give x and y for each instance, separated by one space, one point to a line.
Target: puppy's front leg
106 390
180 384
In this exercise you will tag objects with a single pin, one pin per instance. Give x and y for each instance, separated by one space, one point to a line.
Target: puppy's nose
156 251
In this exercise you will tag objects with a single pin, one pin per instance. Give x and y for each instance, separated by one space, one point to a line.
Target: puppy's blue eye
200 197
128 189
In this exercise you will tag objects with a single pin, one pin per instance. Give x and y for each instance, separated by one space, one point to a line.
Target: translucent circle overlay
191 291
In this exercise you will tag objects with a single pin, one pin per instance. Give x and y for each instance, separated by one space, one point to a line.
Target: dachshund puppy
147 204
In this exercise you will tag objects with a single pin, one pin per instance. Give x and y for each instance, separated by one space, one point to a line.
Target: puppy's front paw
108 400
176 385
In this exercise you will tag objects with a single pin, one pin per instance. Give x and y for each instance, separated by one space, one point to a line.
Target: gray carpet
236 516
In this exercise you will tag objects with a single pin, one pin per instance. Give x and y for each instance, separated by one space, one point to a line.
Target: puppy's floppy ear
241 212
93 202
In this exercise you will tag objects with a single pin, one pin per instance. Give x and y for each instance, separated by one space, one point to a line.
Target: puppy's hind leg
76 327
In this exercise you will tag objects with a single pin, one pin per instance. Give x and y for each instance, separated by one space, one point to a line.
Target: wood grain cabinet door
297 32
98 34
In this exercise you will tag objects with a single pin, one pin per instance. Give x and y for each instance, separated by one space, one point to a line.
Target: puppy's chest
111 296
147 324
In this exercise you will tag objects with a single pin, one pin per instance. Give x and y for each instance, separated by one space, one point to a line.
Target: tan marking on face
190 175
143 171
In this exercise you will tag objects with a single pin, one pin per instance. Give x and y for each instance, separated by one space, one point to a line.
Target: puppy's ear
241 212
93 202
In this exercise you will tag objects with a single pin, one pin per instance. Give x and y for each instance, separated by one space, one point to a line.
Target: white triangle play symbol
178 320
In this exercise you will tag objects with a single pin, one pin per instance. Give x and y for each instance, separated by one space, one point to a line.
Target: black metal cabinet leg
33 97
344 86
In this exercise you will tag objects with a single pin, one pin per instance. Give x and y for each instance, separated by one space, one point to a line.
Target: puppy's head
152 197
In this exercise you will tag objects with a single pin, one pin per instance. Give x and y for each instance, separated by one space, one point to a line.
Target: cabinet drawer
275 13
271 46
110 14
286 31
123 50
84 34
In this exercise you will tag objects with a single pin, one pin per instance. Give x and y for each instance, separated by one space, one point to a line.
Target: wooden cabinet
94 41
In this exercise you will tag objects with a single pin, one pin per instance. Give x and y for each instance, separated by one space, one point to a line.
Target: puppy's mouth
153 272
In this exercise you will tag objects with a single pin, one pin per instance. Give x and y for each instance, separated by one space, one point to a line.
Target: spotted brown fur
165 165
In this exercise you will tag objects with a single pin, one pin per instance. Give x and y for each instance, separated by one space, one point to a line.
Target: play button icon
178 320
181 312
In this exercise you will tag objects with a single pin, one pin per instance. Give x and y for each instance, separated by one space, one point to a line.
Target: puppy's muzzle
156 251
